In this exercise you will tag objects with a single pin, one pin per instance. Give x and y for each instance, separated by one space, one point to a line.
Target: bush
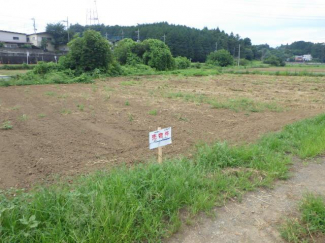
88 53
243 62
220 58
2 44
46 67
274 61
182 62
157 55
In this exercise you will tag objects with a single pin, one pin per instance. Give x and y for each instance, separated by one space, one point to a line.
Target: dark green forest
196 44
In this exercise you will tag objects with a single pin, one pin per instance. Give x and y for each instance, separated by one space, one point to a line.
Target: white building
16 40
37 38
307 58
12 39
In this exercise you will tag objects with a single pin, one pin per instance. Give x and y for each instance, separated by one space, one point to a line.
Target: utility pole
106 36
216 46
238 55
34 25
67 21
122 34
138 31
164 36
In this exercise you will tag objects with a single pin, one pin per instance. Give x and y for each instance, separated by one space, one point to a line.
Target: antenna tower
92 14
34 25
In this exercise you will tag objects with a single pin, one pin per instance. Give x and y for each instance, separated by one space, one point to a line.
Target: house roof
12 32
39 33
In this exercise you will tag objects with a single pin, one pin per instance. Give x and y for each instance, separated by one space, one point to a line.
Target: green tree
44 43
157 55
59 34
221 58
90 52
125 51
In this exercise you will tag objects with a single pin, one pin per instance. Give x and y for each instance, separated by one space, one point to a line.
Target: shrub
88 53
46 67
274 61
243 62
182 62
2 44
157 55
220 58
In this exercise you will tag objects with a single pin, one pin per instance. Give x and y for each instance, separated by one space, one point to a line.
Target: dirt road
257 218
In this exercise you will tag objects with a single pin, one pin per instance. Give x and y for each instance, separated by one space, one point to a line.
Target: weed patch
311 221
239 104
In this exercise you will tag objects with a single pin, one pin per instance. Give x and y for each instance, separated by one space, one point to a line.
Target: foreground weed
127 103
6 125
131 118
23 117
65 111
41 115
81 107
17 107
50 93
310 222
153 112
94 87
129 83
238 104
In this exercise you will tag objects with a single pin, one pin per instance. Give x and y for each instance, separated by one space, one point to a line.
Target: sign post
27 54
160 138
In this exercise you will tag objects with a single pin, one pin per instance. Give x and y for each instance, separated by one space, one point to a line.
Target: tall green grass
146 202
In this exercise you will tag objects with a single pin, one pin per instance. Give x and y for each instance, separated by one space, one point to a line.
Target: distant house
40 39
13 39
299 58
304 58
307 58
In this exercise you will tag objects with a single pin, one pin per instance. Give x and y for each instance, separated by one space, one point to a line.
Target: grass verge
144 203
311 222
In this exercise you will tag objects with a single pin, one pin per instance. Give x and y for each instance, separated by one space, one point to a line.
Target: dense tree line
195 44
192 43
298 48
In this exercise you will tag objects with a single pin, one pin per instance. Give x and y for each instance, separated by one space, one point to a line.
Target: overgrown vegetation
239 104
151 52
310 222
143 203
220 58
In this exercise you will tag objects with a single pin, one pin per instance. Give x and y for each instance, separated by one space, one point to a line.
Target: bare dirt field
77 128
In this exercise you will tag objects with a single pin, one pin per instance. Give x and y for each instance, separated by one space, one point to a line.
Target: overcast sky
274 22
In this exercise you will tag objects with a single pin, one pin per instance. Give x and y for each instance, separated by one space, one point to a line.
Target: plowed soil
78 128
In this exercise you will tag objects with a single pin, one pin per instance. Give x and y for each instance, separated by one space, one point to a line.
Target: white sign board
160 138
27 53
